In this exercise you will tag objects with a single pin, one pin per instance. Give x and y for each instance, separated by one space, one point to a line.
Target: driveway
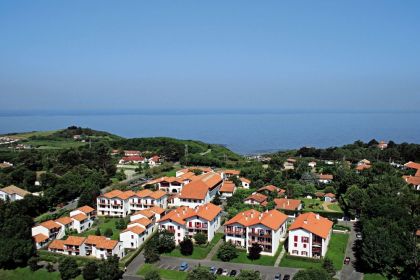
349 272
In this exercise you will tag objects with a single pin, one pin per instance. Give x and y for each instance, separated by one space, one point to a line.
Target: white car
225 272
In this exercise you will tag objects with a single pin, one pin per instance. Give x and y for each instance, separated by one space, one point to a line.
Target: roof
40 238
157 209
319 194
208 212
79 217
330 195
313 223
145 212
93 239
412 180
74 240
194 190
325 176
231 172
270 188
272 219
362 167
287 204
112 194
211 179
135 229
148 193
56 244
257 197
133 158
64 220
364 161
101 242
15 190
142 221
227 187
50 224
127 194
86 209
413 165
418 232
243 179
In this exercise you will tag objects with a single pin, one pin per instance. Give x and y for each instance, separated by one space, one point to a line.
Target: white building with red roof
83 218
227 189
267 229
186 222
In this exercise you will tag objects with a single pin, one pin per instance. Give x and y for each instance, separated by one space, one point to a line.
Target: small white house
245 182
13 193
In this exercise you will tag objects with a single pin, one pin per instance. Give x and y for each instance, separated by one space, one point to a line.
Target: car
219 271
183 266
213 270
347 260
233 273
277 276
359 236
286 277
225 272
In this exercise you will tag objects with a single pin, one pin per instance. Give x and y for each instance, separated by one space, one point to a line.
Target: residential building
133 237
184 171
73 246
132 160
413 180
271 189
186 222
227 173
47 231
325 178
312 164
200 191
289 206
245 182
83 218
382 145
329 197
256 199
12 193
154 161
227 189
309 236
267 229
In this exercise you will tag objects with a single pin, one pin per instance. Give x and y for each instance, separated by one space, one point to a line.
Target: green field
200 252
311 204
103 224
263 260
54 144
167 274
26 274
25 135
335 207
336 252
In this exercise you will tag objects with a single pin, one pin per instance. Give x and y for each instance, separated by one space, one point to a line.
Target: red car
347 260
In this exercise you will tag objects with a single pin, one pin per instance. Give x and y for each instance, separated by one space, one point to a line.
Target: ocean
245 133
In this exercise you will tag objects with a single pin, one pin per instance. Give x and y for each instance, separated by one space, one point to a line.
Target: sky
209 55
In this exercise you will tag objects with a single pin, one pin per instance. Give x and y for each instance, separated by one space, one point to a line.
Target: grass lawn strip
200 252
25 273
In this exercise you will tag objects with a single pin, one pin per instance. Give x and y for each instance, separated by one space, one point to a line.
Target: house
271 189
227 173
132 153
13 193
289 205
73 246
5 164
56 246
153 161
256 199
288 165
329 197
186 222
200 191
413 180
171 184
382 145
245 182
251 226
47 231
204 170
227 189
362 166
325 178
65 222
133 237
117 203
312 164
154 214
143 223
309 236
132 160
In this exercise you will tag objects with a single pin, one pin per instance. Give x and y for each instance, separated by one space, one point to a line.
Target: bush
90 271
152 275
108 232
200 238
50 267
33 263
254 251
186 247
227 252
68 269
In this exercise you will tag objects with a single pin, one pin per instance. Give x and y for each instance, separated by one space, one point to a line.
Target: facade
83 218
245 182
47 231
132 160
120 204
309 236
12 193
266 229
325 178
256 199
186 222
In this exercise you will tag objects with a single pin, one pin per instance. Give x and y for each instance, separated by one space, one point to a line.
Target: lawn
263 260
54 144
336 252
167 274
334 207
200 252
103 224
373 276
312 204
25 135
27 274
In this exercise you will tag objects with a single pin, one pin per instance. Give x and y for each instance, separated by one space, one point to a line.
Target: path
280 257
349 272
213 250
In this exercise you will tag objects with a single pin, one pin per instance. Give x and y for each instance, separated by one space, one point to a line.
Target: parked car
213 270
359 236
183 266
219 271
277 276
286 277
225 272
233 273
347 260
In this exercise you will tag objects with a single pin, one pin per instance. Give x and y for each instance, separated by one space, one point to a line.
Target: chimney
305 222
285 196
288 202
317 216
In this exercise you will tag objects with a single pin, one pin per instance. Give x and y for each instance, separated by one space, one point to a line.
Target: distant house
132 160
229 173
325 178
5 164
413 180
132 153
382 145
245 182
329 197
227 189
13 193
271 189
288 204
181 172
256 199
312 164
153 161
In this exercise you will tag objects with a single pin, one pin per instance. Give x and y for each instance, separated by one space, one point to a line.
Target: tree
200 273
216 200
186 247
109 269
98 231
89 194
227 252
108 232
151 253
120 224
200 238
68 268
249 275
166 242
328 265
312 274
33 263
152 275
254 251
90 271
50 267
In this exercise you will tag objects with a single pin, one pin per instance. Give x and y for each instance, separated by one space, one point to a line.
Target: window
179 235
305 239
295 244
295 252
304 253
304 245
132 236
295 238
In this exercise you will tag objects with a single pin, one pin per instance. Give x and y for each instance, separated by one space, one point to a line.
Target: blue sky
282 55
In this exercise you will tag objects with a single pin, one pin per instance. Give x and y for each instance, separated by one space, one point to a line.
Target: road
349 272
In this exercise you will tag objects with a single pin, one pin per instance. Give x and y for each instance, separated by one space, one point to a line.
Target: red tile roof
194 190
79 217
272 219
64 220
313 223
287 204
56 244
74 240
50 224
260 198
136 229
86 209
40 238
208 212
325 176
243 179
101 242
412 165
227 187
412 180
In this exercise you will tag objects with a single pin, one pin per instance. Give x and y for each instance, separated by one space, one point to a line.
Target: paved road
349 272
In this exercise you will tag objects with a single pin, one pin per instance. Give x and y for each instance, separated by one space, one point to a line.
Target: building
184 171
154 161
117 203
324 178
132 160
382 145
83 218
290 206
309 236
154 214
256 199
246 183
312 164
266 229
329 197
47 231
132 153
133 237
227 190
271 189
200 191
186 222
12 193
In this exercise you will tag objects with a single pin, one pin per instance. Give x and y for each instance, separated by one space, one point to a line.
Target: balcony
170 230
197 226
250 242
316 243
260 234
235 231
